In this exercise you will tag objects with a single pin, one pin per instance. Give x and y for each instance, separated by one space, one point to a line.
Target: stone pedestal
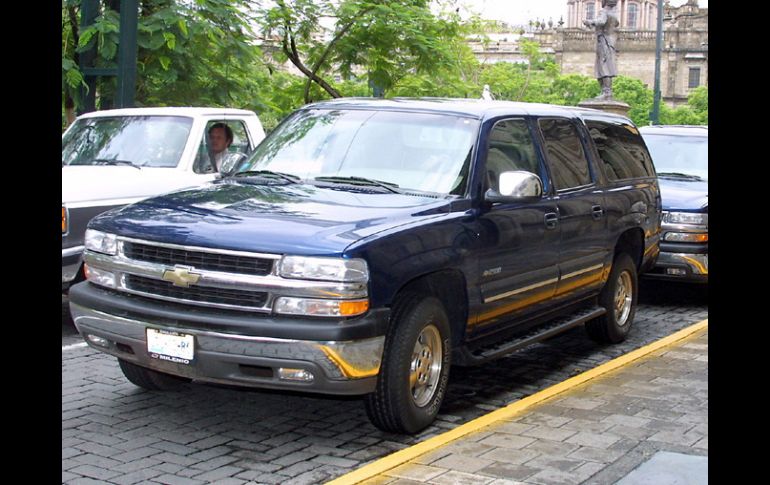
609 105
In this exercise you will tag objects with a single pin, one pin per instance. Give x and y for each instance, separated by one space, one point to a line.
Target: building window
694 78
651 18
590 11
633 10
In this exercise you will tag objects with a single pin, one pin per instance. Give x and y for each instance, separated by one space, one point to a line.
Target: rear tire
619 296
415 367
150 379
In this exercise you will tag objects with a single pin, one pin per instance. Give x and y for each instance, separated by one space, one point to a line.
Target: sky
519 12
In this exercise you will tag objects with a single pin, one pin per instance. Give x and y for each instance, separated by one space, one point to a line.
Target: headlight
694 218
101 242
324 269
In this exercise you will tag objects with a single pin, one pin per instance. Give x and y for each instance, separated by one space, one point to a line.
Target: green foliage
204 53
696 112
386 40
189 53
570 89
636 95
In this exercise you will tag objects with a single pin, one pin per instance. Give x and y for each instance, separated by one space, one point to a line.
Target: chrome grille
202 294
226 263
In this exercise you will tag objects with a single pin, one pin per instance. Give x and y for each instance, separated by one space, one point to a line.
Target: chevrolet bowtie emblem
181 276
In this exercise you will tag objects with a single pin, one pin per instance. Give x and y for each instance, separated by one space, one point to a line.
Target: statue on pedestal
606 25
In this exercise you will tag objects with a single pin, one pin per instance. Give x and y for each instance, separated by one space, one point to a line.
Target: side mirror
231 163
516 186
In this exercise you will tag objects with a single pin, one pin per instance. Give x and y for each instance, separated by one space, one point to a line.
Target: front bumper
681 267
236 354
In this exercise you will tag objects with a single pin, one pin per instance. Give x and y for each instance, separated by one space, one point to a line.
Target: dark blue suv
680 154
366 245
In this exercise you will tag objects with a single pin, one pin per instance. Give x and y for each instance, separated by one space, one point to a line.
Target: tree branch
289 47
328 49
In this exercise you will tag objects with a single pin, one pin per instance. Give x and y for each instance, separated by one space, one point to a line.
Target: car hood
113 185
687 195
295 218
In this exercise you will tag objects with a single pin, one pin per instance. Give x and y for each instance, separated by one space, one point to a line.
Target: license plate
170 346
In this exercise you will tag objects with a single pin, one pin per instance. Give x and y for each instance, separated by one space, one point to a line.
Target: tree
570 89
636 95
378 39
72 79
696 112
189 53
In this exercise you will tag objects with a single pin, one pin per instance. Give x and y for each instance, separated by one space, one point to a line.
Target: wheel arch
449 287
631 242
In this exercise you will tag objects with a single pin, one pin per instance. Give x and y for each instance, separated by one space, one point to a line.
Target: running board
540 333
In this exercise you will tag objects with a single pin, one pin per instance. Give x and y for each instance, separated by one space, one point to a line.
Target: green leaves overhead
189 53
235 53
377 40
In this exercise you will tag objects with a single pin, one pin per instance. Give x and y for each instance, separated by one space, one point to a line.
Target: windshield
673 154
143 141
412 151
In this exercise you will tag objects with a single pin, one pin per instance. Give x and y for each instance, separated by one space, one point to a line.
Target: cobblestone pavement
114 432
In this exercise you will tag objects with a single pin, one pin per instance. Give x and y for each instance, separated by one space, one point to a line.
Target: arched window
633 12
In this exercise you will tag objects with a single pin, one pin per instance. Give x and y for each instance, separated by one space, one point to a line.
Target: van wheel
415 367
619 297
150 379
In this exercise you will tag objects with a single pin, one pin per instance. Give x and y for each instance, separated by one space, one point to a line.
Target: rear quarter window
622 150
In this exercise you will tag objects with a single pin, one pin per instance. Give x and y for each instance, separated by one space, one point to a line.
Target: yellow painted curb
402 456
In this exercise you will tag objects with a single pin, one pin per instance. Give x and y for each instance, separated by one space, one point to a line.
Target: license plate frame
170 346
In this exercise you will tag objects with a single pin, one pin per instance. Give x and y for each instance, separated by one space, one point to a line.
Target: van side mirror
516 186
231 163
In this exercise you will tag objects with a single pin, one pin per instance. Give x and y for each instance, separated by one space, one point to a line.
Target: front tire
150 379
415 367
619 296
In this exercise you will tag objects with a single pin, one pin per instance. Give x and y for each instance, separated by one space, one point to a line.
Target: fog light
295 375
676 271
693 237
101 342
323 308
100 277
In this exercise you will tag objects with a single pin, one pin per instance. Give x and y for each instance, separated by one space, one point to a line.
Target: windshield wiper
108 161
389 186
680 175
285 176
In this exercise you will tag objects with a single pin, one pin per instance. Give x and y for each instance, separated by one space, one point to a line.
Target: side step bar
537 334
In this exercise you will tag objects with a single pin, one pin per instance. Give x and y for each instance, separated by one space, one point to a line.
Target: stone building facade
684 56
633 14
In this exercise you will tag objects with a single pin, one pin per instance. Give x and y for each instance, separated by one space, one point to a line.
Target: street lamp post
655 115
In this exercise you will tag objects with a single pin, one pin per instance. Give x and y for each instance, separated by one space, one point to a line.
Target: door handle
597 212
551 220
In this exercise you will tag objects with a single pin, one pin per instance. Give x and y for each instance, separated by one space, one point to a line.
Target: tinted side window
510 148
566 158
621 149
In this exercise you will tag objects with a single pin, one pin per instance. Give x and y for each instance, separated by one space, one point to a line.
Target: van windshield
412 151
142 141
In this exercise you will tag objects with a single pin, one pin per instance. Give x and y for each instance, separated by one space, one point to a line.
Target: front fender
406 253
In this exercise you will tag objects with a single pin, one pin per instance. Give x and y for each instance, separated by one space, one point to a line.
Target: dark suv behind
680 154
367 245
